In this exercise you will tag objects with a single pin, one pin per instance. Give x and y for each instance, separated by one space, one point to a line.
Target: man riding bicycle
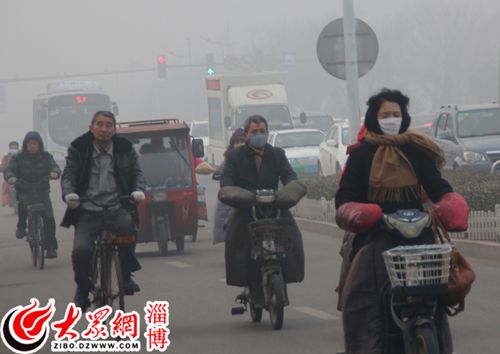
255 165
30 172
102 167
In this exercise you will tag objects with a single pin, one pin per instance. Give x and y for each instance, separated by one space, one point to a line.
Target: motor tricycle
166 155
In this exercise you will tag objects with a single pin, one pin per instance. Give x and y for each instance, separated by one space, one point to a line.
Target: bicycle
106 273
35 208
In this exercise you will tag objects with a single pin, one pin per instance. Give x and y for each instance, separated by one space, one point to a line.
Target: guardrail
483 225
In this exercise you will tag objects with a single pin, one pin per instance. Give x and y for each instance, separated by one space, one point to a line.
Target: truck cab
233 98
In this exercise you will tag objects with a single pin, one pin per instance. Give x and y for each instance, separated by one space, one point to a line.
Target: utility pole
351 68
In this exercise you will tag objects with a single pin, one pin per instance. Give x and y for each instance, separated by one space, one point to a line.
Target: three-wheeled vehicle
167 155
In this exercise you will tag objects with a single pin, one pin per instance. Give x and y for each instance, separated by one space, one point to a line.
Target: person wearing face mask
382 175
255 165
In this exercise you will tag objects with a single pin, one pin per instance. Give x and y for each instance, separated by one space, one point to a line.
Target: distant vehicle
422 122
233 98
469 136
333 150
301 147
199 130
167 155
65 110
316 120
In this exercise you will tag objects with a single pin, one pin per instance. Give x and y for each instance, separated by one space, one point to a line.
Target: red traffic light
160 59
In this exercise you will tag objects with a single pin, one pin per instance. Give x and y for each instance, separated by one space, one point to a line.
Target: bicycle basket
423 268
280 232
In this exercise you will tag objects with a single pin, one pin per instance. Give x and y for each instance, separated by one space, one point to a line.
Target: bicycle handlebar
106 206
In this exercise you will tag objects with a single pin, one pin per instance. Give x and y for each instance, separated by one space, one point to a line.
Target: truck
233 98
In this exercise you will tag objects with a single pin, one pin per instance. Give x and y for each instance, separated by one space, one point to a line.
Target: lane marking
178 264
222 280
317 313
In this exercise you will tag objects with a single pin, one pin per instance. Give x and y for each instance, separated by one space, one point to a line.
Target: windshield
70 115
315 122
298 139
277 116
478 122
165 161
200 129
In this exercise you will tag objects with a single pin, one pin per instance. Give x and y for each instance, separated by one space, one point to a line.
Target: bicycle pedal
240 310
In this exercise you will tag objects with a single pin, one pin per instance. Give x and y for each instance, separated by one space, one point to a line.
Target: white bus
65 112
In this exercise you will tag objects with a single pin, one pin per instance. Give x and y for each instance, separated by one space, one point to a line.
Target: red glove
358 217
453 212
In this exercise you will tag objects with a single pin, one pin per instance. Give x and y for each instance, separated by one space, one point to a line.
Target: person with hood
382 175
30 172
102 167
222 210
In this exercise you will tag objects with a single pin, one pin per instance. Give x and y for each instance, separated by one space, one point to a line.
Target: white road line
178 264
316 313
222 280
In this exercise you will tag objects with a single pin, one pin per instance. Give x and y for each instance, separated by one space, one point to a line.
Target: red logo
26 329
259 94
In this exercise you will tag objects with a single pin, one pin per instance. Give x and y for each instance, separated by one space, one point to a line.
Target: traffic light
210 63
161 66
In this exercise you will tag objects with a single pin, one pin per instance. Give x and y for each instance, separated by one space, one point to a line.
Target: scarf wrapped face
392 177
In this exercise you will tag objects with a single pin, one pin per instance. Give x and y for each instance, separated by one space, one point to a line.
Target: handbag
461 273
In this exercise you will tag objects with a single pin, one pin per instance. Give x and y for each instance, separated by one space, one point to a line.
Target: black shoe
130 286
20 233
81 300
51 253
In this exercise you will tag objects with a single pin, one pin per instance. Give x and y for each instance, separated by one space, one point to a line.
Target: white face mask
391 125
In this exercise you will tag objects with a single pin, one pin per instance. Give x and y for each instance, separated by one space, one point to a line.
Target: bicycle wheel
113 287
40 230
277 301
32 241
96 273
426 341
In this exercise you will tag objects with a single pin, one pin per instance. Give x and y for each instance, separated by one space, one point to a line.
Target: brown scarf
258 158
392 177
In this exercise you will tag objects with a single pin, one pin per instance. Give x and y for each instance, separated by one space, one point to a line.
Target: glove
138 196
453 211
53 175
358 217
12 180
73 200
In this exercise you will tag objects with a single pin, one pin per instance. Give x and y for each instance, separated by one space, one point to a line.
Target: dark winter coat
76 174
32 168
354 184
240 170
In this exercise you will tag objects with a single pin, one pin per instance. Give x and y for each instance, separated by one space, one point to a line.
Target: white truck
233 98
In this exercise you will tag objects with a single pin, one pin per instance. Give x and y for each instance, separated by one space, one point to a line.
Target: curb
474 249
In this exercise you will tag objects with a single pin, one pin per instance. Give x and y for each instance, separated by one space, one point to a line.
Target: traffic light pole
351 69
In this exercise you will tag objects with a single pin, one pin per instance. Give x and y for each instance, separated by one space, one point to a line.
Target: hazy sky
49 37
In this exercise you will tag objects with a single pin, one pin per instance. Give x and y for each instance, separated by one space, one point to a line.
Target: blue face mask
257 141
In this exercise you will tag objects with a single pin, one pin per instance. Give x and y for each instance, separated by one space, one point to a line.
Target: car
316 120
333 150
422 122
469 136
199 130
301 147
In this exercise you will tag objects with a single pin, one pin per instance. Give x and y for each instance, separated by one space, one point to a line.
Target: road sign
330 48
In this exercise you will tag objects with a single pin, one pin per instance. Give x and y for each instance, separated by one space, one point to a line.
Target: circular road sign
330 48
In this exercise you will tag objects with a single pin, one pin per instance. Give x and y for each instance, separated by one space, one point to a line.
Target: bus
64 112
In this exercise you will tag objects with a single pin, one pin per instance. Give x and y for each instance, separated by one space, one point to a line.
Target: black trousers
48 216
88 227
